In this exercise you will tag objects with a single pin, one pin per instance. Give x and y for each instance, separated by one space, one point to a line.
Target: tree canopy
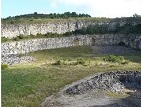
36 15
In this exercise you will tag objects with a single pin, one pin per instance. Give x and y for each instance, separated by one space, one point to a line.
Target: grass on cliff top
57 20
27 85
64 20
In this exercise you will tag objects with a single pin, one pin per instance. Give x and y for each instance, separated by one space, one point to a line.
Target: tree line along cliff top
67 16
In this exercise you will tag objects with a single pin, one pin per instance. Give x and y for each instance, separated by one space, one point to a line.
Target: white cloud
73 2
54 5
106 8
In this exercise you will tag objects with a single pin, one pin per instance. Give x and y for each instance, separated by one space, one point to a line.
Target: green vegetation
121 44
56 20
113 58
36 15
4 66
75 62
44 18
80 61
3 39
116 59
128 29
58 62
26 37
103 29
30 83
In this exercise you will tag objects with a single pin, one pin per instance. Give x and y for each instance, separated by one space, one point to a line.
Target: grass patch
80 61
4 66
58 20
29 84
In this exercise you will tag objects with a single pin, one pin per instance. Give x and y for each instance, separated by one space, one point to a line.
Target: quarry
74 70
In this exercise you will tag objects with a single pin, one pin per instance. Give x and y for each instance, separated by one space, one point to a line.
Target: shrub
16 38
31 35
58 62
39 34
121 43
67 33
20 36
4 66
125 62
80 61
3 39
113 58
20 55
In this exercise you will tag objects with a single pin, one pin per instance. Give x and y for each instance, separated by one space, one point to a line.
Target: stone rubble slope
110 81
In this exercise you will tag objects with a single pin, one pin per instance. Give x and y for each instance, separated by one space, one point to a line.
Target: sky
96 8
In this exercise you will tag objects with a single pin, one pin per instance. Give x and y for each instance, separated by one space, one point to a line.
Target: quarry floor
98 98
39 83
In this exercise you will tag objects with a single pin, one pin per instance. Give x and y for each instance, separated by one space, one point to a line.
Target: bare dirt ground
96 98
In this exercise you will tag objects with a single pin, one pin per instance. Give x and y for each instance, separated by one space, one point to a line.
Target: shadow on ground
128 53
133 100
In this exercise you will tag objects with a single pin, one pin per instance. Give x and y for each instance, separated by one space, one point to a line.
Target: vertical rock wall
26 46
10 30
60 27
44 43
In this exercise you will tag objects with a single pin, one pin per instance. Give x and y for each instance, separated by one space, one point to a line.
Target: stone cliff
60 26
10 30
22 47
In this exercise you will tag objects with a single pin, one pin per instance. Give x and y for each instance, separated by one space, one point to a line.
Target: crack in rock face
109 81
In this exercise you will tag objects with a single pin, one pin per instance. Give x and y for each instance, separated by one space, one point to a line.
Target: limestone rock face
56 26
13 30
22 47
15 59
